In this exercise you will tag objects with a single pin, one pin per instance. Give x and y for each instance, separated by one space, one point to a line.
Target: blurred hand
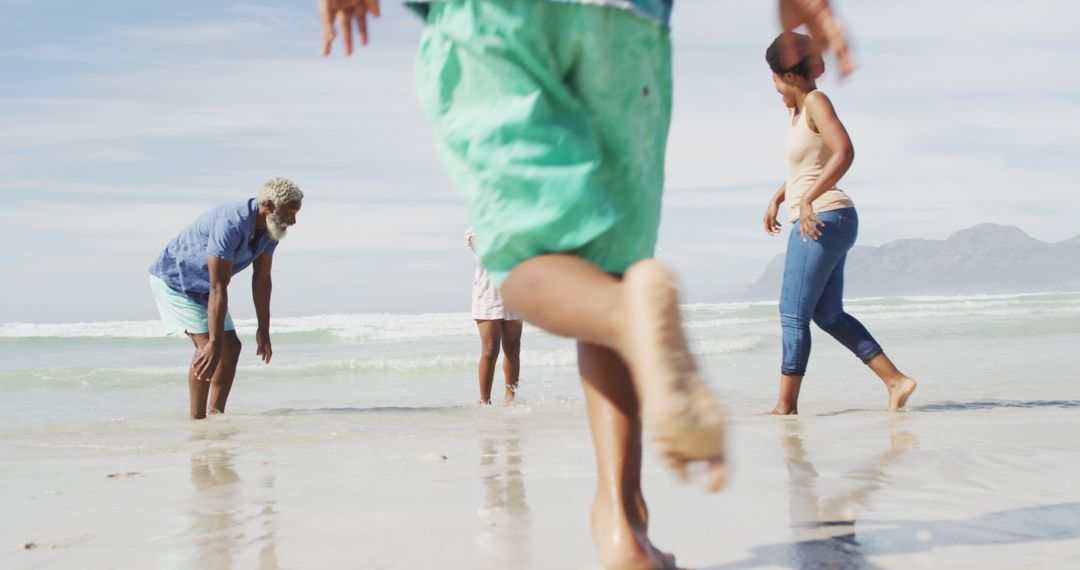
824 29
772 227
262 340
345 12
808 222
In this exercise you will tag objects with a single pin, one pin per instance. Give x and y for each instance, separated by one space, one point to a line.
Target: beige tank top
806 158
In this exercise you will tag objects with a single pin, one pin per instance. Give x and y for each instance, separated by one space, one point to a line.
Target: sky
120 121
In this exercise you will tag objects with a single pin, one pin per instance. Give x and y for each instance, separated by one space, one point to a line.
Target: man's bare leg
620 519
638 318
222 381
788 402
900 387
490 338
511 347
198 389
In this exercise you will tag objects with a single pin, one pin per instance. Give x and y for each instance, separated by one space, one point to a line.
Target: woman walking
825 224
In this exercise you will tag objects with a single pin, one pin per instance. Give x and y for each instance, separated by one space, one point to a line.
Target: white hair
280 191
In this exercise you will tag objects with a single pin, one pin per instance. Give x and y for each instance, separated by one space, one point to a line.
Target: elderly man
190 280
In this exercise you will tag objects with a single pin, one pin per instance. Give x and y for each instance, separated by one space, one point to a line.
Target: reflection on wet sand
825 528
505 534
223 525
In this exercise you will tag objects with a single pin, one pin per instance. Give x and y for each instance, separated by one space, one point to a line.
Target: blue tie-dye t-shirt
657 10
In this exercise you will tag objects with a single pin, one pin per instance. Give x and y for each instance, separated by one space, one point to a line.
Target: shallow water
360 446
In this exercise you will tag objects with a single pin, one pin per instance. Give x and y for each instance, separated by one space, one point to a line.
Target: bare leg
900 387
511 346
638 318
619 517
788 402
222 381
198 389
490 336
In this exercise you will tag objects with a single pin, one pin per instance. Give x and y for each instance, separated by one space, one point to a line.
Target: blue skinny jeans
814 289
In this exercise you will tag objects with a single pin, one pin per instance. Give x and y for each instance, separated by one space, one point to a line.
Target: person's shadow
829 533
505 518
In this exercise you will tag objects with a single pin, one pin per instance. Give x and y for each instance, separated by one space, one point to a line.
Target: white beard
276 227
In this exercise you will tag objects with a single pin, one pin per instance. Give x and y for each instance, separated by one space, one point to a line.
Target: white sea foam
728 322
365 328
119 329
457 360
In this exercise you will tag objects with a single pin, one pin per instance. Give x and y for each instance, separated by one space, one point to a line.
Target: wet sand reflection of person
824 530
219 525
505 534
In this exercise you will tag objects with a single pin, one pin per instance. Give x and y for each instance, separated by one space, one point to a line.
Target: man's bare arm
207 357
261 286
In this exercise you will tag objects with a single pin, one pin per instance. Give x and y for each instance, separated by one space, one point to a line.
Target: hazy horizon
118 135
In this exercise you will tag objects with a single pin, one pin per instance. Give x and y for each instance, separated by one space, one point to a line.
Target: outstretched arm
260 294
345 12
823 26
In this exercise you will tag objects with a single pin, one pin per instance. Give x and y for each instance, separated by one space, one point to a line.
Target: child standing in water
824 225
552 119
498 327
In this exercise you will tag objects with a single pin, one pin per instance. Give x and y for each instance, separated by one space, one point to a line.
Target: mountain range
987 258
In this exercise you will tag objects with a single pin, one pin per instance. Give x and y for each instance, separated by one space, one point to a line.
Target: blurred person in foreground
552 119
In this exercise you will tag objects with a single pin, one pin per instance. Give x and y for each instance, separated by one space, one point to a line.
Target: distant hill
987 258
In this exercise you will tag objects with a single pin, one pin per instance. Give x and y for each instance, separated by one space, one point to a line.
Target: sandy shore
944 486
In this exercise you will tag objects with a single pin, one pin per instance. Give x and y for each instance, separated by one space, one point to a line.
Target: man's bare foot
784 411
683 417
899 392
511 392
622 544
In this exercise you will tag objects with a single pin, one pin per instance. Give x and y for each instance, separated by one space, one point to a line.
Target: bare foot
511 392
677 407
622 544
783 411
900 391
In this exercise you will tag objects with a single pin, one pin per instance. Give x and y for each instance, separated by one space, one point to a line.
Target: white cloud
114 138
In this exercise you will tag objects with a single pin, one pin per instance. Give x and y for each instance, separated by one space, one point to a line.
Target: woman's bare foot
511 392
899 392
900 386
678 409
787 403
623 544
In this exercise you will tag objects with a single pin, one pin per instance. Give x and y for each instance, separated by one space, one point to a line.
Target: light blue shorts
180 313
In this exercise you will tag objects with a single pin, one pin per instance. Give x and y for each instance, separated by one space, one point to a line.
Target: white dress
486 302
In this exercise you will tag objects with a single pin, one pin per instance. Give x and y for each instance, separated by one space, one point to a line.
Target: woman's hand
808 222
772 227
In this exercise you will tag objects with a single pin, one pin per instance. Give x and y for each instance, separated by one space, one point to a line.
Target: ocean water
354 406
86 375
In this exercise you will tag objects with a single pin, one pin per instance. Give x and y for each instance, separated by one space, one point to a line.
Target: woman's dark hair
810 65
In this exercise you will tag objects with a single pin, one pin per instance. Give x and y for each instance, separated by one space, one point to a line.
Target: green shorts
552 119
179 313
